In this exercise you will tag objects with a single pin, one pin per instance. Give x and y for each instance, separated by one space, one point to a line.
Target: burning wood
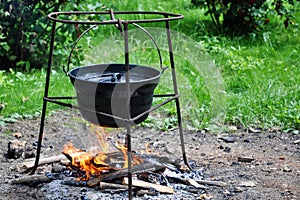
98 163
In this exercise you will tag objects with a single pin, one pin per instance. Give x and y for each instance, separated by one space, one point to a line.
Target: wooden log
43 161
143 184
32 180
105 185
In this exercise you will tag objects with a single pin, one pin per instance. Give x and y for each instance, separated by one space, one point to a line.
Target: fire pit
114 95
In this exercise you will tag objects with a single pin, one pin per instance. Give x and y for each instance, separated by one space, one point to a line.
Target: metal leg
40 138
176 93
128 135
129 154
38 151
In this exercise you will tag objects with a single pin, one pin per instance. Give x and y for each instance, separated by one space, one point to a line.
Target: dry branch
143 184
43 161
32 180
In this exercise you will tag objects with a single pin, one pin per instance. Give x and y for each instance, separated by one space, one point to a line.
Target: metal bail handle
73 47
119 27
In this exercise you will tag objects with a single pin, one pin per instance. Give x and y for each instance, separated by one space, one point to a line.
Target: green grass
21 94
261 75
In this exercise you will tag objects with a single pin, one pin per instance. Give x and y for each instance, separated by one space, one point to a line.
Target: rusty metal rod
128 135
171 55
46 91
53 16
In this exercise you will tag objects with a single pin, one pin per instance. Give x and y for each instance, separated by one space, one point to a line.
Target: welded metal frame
122 25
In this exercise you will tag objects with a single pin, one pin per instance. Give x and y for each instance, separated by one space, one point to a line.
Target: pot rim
73 73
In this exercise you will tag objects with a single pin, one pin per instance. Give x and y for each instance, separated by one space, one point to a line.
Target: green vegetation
245 16
261 74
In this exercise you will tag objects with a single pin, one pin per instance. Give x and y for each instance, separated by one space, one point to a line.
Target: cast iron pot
102 88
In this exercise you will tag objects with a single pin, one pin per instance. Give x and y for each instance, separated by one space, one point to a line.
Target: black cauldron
102 88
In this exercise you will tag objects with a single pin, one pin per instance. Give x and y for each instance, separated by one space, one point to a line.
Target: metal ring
166 17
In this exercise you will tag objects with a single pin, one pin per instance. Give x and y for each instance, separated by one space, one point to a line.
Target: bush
25 32
245 16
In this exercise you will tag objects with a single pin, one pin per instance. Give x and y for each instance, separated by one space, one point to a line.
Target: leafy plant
25 32
245 16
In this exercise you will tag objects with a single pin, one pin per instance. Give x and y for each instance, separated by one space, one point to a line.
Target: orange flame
92 164
97 162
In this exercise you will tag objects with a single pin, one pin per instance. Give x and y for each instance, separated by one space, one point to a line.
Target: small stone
247 184
232 128
235 163
238 189
269 163
254 130
205 196
58 168
228 139
296 141
245 159
287 169
16 148
247 140
227 149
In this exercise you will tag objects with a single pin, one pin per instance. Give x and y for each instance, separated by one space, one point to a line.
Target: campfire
104 167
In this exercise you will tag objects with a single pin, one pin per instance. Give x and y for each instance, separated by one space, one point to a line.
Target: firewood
143 184
32 180
74 183
105 185
43 161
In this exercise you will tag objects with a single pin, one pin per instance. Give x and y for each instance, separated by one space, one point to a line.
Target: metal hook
119 24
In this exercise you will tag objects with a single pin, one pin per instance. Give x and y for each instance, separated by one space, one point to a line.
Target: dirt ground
273 171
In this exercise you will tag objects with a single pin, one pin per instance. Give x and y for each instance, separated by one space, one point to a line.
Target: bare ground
274 172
